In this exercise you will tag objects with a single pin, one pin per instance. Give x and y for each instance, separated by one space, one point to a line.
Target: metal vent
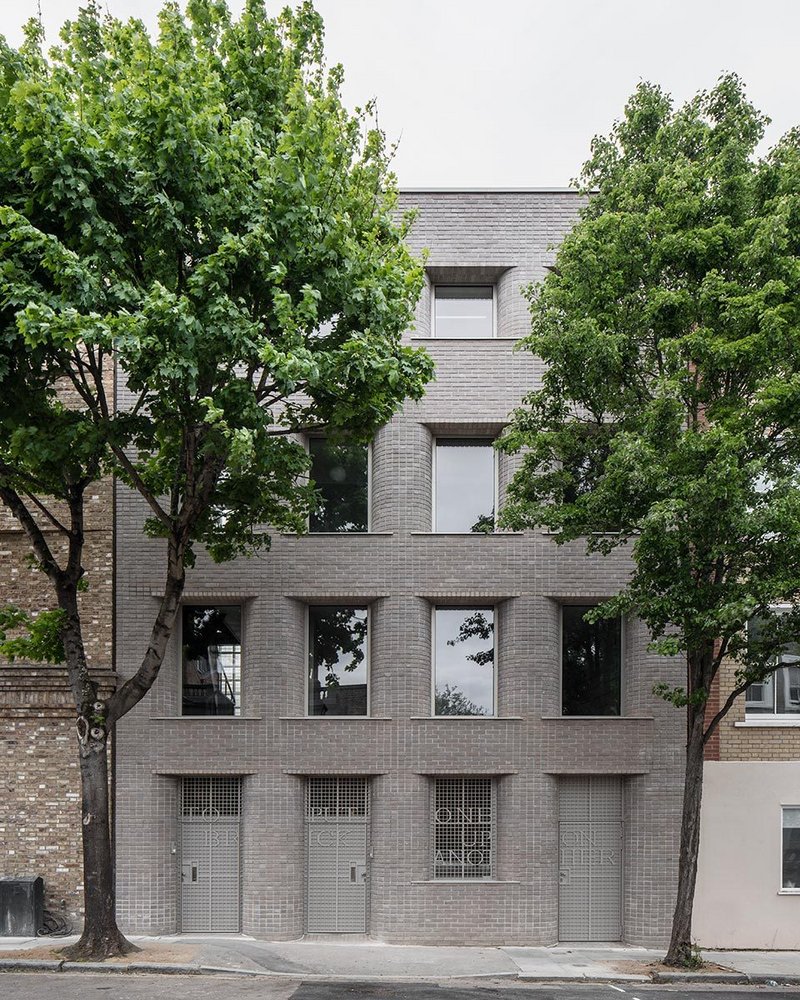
211 796
337 798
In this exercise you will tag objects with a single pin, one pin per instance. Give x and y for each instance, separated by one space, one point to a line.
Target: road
99 986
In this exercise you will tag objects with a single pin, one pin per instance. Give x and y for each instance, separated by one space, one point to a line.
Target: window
211 641
591 656
337 657
779 693
464 485
340 473
463 311
463 661
791 848
463 828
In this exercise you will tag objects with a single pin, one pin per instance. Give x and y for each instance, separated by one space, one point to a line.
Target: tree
667 417
201 211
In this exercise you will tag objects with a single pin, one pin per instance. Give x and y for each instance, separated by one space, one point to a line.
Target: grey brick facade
401 569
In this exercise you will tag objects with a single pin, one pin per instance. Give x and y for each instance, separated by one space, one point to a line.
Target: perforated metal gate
337 813
590 848
210 810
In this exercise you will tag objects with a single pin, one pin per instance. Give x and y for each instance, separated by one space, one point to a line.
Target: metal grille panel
210 808
590 870
463 828
337 809
337 798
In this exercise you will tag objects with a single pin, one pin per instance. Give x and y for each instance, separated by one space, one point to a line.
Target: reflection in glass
463 311
339 473
590 663
464 485
464 661
779 692
337 650
791 848
212 658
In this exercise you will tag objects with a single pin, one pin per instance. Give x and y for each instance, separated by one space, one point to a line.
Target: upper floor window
337 658
211 642
463 311
464 674
340 473
791 848
591 661
464 485
778 693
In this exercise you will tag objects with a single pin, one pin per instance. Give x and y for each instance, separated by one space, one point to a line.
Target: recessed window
464 485
464 661
340 473
591 658
791 848
463 828
463 311
211 640
337 654
778 693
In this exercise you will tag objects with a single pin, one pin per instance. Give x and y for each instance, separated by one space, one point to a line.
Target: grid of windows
463 828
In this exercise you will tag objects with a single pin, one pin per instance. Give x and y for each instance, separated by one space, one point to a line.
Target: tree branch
50 516
723 711
14 502
129 467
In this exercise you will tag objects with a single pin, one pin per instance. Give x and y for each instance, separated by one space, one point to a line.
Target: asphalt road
98 986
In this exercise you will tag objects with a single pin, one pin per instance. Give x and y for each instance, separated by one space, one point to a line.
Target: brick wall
750 743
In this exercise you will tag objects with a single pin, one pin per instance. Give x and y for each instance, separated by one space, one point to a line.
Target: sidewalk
362 958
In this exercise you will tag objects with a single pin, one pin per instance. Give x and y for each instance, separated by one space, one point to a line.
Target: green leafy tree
667 417
200 210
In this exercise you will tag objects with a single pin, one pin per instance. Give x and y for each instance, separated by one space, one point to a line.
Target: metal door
210 877
590 867
337 810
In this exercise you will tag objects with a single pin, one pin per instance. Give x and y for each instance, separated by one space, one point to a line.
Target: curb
727 978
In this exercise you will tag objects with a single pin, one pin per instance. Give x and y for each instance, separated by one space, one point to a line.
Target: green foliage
202 209
32 639
450 700
667 417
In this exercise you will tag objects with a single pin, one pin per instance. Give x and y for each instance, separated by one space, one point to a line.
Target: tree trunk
680 945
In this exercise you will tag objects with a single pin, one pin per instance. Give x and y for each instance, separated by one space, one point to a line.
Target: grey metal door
210 876
337 811
590 859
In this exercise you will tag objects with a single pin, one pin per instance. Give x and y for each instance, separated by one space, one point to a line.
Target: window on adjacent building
464 661
464 485
779 693
463 828
463 311
337 656
211 639
591 660
791 847
340 473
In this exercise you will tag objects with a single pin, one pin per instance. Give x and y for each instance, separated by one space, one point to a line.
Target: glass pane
339 473
760 698
791 848
590 664
463 311
787 687
212 659
462 822
464 661
464 485
337 661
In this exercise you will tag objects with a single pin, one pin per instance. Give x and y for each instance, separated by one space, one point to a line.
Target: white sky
510 92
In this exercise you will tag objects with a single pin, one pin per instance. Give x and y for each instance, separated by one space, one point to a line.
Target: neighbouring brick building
748 890
40 817
400 724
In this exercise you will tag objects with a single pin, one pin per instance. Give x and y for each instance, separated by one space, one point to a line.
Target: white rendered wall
738 903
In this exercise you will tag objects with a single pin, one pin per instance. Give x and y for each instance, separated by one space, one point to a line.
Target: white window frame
492 876
768 684
307 445
211 603
307 659
785 890
622 658
495 662
464 284
495 480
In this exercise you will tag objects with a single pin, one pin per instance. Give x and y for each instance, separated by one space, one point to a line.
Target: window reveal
337 651
465 485
464 670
